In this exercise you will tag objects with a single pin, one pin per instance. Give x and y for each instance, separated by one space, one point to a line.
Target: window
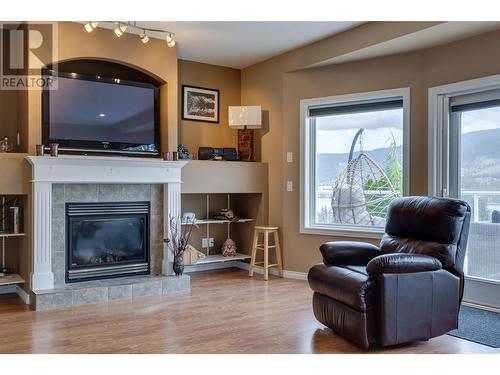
464 163
354 152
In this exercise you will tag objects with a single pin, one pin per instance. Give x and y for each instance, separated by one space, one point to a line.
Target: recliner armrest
402 263
338 253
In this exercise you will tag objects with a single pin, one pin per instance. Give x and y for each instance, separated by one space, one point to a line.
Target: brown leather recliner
408 289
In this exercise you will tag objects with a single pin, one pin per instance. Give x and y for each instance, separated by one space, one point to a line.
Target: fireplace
105 240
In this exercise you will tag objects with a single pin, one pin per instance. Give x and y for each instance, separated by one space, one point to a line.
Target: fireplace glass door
107 240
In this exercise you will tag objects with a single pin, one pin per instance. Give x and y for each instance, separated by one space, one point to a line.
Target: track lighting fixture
144 38
119 28
90 26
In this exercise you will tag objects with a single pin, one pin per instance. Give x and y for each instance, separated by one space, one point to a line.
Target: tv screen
101 114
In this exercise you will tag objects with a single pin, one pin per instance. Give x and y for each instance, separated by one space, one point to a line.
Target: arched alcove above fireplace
100 106
155 60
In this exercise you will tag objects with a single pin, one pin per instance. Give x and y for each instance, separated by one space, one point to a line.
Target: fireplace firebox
105 240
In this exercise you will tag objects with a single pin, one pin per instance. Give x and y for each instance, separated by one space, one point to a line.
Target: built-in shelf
12 235
213 233
215 221
217 258
11 279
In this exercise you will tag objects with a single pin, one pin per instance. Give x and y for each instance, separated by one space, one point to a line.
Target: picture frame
200 104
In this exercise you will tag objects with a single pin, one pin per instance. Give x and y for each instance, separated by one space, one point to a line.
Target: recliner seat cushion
349 285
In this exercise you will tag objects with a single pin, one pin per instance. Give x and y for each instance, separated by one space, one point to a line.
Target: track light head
120 29
144 38
90 26
170 40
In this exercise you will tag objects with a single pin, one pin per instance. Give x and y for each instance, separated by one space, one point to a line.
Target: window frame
438 125
308 158
478 291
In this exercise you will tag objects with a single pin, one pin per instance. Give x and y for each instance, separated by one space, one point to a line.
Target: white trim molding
307 150
477 291
438 104
48 170
244 266
25 297
273 271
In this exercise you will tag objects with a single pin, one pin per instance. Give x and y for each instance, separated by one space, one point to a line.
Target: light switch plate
289 186
289 157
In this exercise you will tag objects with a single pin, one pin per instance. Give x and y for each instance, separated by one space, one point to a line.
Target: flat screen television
94 114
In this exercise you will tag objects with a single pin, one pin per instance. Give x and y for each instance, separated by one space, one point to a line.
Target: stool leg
266 255
254 252
278 253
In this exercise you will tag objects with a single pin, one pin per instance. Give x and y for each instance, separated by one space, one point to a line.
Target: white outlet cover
289 157
289 186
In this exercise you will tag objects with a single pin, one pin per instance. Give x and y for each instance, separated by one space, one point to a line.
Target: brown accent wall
8 115
194 134
279 93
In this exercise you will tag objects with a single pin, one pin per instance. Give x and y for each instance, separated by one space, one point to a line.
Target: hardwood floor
225 312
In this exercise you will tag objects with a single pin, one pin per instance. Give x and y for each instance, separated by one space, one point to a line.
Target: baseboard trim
25 297
481 307
210 266
23 294
244 266
274 271
6 289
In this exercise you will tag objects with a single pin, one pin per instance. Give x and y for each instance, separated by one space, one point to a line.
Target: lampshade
249 116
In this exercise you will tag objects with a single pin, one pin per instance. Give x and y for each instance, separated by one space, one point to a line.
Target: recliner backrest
433 226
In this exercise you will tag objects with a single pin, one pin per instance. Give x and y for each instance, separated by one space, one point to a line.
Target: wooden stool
265 247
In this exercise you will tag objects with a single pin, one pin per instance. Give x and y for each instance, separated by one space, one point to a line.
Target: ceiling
241 44
442 33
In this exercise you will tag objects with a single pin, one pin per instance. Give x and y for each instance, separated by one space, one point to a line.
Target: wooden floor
225 312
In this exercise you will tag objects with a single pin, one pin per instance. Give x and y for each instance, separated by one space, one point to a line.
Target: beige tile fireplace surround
83 179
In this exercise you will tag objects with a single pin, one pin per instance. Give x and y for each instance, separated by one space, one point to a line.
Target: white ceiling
445 32
241 44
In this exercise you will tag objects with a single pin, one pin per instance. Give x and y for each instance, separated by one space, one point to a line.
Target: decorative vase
179 265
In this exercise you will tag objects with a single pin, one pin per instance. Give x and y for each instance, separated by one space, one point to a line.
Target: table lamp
245 119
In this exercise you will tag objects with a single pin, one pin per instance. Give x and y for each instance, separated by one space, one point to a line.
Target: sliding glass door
474 176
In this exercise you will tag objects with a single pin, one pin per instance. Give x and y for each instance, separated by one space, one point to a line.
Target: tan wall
280 93
194 134
155 58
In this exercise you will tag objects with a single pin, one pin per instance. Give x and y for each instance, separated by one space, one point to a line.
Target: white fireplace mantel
64 169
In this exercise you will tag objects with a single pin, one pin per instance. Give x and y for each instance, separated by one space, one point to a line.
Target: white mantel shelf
70 169
103 169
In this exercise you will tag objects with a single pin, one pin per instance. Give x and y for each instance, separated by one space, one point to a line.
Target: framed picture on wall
200 104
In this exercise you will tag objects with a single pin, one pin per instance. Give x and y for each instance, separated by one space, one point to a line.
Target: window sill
344 232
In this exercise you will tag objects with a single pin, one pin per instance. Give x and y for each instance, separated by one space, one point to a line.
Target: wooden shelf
215 221
217 258
12 234
10 279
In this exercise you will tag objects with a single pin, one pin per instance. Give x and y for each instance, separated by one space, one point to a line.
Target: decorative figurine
229 248
184 153
226 214
191 255
188 217
6 145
